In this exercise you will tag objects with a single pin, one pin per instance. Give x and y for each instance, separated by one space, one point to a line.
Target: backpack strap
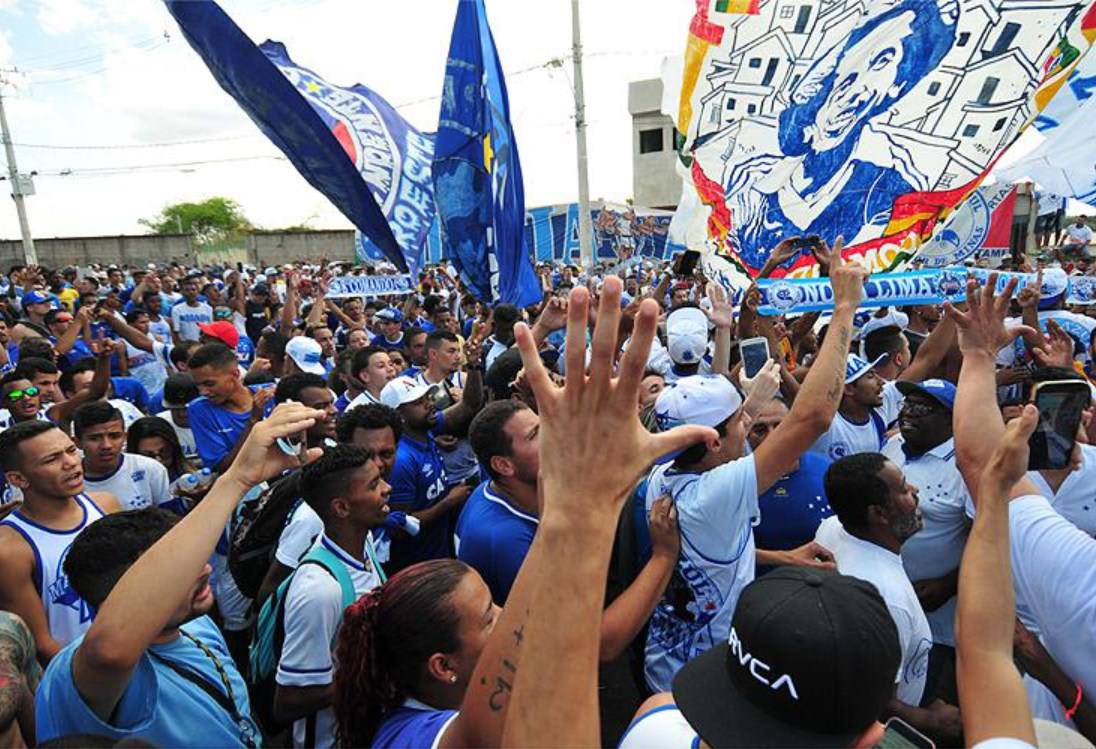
324 558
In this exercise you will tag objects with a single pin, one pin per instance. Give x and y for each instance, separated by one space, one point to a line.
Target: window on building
731 104
803 19
755 62
964 37
751 108
989 86
650 141
787 11
970 131
946 180
999 124
1005 40
934 88
770 71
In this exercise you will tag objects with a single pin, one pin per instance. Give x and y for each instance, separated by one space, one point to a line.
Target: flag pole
585 232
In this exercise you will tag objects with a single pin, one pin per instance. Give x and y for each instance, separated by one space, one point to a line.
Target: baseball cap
704 400
35 297
855 367
893 318
810 662
403 390
389 314
687 335
306 354
222 331
1055 284
260 288
942 391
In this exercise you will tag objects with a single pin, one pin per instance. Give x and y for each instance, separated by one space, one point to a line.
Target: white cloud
5 48
64 16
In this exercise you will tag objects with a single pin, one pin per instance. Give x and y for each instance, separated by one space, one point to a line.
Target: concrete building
655 182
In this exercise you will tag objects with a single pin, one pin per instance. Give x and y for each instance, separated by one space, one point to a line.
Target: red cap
222 331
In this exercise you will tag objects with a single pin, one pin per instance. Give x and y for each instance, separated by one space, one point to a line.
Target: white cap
856 367
306 354
893 318
687 335
403 390
705 400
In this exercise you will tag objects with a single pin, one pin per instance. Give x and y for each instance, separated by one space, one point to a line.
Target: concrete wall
655 183
261 249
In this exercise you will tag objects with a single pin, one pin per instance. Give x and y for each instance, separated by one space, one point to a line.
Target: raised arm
136 338
290 308
820 395
931 352
61 413
990 689
457 417
150 592
67 340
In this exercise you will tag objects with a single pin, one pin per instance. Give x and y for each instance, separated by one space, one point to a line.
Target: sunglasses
17 395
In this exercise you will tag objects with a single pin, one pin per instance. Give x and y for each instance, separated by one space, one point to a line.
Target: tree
215 219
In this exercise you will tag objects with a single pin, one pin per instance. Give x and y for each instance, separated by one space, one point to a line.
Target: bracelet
1076 702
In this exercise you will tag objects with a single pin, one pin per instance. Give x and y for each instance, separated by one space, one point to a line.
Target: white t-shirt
363 399
937 549
146 368
313 613
1075 499
884 570
130 413
847 438
138 482
892 402
1079 233
301 532
185 319
663 727
186 438
715 514
1054 572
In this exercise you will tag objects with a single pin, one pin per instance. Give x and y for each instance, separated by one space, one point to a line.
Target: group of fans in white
238 511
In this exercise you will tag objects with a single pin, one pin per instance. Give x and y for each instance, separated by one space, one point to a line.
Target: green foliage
215 219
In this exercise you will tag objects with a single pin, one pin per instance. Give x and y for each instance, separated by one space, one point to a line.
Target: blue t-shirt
245 351
418 482
793 507
130 389
78 351
158 705
380 340
216 429
494 537
341 403
412 728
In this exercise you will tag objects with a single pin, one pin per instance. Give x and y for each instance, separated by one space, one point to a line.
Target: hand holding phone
754 353
1061 404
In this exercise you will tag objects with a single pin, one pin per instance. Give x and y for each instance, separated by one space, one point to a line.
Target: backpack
268 635
255 529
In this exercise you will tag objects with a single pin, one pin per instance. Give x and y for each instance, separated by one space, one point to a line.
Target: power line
130 146
97 171
149 43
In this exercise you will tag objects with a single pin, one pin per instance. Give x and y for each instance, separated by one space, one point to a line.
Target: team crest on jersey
138 475
838 450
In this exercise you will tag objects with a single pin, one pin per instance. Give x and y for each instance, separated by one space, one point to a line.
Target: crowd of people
239 510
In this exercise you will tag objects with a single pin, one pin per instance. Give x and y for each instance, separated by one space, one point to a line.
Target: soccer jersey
380 340
138 482
493 537
67 614
793 507
413 724
418 482
216 429
186 319
715 511
846 437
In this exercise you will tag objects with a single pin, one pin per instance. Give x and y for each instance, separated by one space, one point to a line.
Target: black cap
811 661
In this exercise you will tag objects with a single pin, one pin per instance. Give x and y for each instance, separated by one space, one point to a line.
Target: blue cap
942 391
35 297
855 367
389 314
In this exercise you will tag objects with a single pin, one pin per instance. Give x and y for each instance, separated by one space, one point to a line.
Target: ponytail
385 640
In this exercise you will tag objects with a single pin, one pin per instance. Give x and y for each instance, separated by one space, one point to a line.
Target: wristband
1070 712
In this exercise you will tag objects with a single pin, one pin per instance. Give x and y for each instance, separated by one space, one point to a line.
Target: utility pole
16 185
585 232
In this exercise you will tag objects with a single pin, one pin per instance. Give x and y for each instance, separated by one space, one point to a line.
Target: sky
114 82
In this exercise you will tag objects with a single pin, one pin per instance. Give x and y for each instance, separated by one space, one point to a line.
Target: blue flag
291 122
477 175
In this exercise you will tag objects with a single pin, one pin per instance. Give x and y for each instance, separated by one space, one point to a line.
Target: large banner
870 119
296 125
982 225
477 173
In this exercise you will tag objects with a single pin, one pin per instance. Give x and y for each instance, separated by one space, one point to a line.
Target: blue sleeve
60 710
211 445
127 388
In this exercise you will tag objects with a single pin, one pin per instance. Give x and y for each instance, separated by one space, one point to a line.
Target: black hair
696 452
852 485
274 344
179 388
36 348
258 378
93 414
157 426
432 303
503 371
438 337
51 316
487 432
215 354
68 377
105 549
34 365
290 386
14 376
888 340
11 458
180 352
368 417
329 477
133 314
410 333
362 357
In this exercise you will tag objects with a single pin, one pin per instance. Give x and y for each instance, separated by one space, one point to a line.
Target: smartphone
294 445
754 353
898 734
685 263
1060 404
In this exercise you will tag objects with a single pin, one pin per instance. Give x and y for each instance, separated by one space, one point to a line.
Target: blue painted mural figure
836 172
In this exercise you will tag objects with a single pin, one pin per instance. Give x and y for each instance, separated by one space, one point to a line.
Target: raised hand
1058 349
847 279
1032 292
981 328
722 312
665 538
260 458
760 388
824 254
593 446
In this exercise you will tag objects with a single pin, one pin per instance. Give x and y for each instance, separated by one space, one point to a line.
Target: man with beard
876 512
925 452
860 424
44 464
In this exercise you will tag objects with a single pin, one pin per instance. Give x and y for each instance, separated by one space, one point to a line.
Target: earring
453 679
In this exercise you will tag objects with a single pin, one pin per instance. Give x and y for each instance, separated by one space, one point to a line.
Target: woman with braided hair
407 653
